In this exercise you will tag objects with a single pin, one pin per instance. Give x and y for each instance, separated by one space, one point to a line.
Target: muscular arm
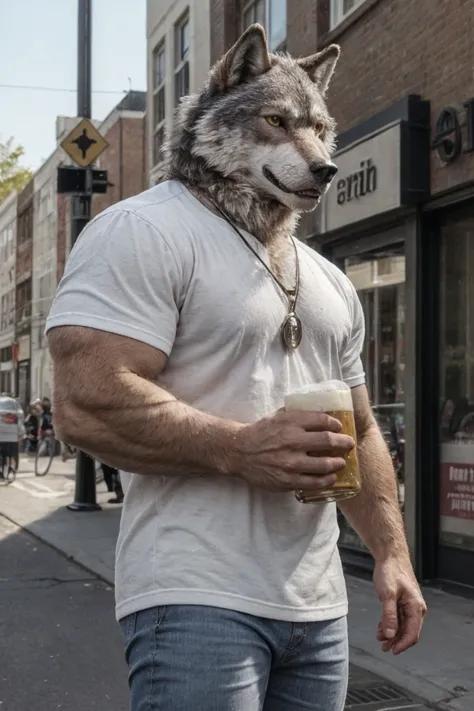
375 513
106 403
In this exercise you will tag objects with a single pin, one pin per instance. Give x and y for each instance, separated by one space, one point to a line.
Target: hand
402 602
291 450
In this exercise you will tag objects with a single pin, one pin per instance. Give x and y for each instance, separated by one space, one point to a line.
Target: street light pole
84 59
85 491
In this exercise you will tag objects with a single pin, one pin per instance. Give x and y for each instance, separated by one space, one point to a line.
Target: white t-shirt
163 269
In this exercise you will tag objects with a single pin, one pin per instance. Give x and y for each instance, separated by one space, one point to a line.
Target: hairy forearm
375 513
134 425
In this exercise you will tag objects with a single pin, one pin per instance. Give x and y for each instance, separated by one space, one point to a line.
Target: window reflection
379 279
457 385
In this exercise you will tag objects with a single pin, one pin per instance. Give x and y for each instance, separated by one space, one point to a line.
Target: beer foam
321 397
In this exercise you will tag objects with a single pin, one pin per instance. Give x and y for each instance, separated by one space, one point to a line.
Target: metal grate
372 695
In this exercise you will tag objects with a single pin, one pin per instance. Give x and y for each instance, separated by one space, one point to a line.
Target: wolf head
258 138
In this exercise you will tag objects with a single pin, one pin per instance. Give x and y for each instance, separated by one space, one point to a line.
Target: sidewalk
440 669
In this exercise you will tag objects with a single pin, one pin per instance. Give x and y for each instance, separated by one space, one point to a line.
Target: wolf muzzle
323 172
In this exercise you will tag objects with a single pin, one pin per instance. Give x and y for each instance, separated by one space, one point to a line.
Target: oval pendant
292 331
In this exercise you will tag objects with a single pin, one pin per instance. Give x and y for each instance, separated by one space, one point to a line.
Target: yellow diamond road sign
84 144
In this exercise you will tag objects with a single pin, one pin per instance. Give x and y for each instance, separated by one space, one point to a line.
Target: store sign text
358 184
457 490
369 179
448 135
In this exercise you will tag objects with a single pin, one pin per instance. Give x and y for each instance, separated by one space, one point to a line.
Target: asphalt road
60 647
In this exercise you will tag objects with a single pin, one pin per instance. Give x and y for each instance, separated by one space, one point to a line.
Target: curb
82 561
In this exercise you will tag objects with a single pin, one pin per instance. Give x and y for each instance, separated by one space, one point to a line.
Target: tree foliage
12 175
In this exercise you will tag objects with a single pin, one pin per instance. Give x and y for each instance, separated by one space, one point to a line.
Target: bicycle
6 462
45 452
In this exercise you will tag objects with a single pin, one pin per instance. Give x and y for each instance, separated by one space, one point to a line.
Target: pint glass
334 398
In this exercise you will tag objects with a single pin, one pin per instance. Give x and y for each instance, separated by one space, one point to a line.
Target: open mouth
309 193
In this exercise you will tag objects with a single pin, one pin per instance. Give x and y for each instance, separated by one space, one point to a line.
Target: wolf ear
320 66
246 59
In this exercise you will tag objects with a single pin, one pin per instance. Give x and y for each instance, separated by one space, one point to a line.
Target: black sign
448 136
82 181
71 180
358 184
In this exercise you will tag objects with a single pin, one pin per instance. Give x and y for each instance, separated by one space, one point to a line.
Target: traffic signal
71 180
99 181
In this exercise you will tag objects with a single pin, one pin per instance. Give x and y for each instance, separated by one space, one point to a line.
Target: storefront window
380 282
457 384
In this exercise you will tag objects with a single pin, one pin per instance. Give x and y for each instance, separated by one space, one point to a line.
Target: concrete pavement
440 669
60 647
38 504
59 633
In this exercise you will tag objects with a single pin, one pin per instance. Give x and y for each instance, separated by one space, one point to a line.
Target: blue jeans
192 658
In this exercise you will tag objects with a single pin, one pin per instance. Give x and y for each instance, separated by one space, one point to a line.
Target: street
57 627
211 212
60 647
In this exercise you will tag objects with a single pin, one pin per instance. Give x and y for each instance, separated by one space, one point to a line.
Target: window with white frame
181 59
272 15
340 9
159 101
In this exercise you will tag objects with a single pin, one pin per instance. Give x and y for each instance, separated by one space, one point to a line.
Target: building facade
178 41
23 289
399 220
44 273
125 160
405 236
35 240
7 293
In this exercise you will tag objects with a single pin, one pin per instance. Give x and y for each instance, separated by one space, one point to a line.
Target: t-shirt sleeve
123 276
351 362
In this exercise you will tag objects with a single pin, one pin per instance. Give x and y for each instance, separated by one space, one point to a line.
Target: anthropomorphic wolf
185 316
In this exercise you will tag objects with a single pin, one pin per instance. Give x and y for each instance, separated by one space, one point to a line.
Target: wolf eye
274 121
319 128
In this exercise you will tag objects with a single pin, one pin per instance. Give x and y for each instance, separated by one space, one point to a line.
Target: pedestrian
46 414
31 427
112 482
185 316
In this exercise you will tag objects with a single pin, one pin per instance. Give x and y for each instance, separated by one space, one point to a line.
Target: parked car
11 430
11 419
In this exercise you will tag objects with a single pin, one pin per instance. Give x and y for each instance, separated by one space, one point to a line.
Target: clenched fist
290 450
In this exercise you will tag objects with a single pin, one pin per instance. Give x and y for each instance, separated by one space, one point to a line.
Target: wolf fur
225 146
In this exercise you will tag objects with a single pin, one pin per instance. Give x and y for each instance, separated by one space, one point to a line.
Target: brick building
23 272
178 47
7 292
124 129
35 240
125 159
399 219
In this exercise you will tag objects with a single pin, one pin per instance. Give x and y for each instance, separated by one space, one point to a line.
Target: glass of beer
334 398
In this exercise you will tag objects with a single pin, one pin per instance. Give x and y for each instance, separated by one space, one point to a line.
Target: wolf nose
324 172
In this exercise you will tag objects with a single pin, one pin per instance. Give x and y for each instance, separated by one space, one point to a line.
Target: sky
38 47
